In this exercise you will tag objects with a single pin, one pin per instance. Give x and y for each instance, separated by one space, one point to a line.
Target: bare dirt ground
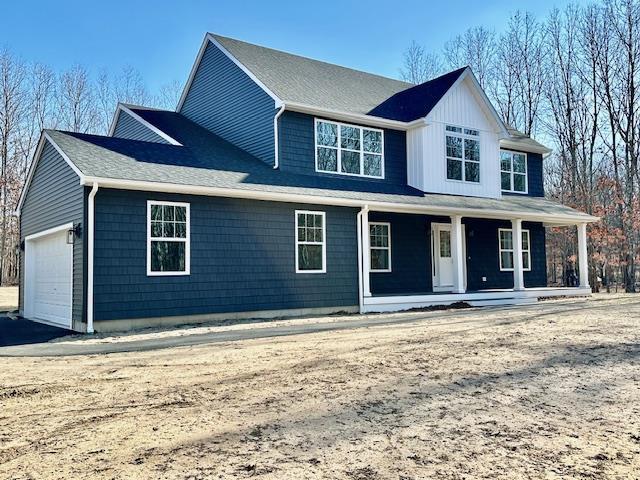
8 298
544 391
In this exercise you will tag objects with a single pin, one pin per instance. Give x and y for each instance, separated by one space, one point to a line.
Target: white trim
559 219
463 161
210 38
394 303
387 248
512 250
44 137
354 117
306 242
434 267
49 231
28 297
512 172
339 149
90 253
186 240
123 107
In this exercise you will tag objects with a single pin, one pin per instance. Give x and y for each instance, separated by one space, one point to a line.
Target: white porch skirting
395 303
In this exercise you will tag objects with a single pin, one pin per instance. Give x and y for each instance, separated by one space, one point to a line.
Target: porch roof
205 164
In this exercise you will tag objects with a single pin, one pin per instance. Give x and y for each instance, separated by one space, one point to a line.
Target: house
283 185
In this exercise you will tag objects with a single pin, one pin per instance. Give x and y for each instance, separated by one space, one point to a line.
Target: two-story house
283 185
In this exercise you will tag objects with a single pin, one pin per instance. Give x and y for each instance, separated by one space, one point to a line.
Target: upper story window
167 238
463 154
349 149
513 171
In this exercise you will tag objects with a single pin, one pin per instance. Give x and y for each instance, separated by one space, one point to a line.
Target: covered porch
419 259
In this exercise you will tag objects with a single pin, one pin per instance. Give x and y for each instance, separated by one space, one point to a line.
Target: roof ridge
218 37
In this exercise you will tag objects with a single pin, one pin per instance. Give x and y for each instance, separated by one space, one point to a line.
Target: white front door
442 256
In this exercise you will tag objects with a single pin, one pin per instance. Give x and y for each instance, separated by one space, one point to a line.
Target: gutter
90 241
276 157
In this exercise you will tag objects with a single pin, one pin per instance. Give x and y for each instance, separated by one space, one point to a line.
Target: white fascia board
44 137
483 96
343 202
123 107
353 117
514 145
211 39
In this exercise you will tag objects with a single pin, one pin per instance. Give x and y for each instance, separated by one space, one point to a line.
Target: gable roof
417 101
294 79
208 165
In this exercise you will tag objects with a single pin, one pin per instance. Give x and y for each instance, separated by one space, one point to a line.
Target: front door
442 256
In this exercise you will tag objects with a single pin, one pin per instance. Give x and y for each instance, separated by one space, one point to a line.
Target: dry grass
8 299
546 391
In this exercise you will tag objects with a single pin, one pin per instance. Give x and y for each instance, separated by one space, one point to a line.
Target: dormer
453 146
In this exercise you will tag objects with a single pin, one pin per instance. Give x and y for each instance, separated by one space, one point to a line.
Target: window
310 242
463 154
380 246
505 238
167 238
513 171
349 149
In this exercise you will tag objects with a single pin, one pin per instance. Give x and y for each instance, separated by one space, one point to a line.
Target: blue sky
161 38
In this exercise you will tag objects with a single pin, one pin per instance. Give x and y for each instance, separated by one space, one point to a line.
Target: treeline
572 80
33 97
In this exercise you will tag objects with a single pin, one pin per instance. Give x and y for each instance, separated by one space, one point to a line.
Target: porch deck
478 298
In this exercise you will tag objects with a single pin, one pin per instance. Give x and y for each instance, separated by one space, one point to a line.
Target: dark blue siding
224 100
483 255
534 176
411 259
242 259
130 128
55 197
410 255
297 151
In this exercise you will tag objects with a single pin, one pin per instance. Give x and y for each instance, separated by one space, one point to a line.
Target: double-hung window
506 249
349 149
310 242
463 154
513 171
380 246
168 238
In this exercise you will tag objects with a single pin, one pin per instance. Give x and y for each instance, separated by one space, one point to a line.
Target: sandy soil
544 391
8 299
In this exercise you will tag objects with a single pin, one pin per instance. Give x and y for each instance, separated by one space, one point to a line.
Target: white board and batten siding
426 154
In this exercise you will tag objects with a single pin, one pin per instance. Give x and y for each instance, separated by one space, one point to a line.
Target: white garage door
49 278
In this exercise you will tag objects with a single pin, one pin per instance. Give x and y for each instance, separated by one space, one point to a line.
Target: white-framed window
311 242
505 247
380 246
462 154
349 149
168 238
513 171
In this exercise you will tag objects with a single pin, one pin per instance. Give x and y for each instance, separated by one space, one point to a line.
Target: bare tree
419 65
475 48
169 95
76 101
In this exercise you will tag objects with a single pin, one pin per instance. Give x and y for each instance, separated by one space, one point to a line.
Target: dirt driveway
544 391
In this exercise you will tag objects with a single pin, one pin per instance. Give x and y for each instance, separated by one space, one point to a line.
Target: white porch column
457 254
366 255
518 268
583 261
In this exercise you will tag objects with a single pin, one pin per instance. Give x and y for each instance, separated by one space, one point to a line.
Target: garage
49 277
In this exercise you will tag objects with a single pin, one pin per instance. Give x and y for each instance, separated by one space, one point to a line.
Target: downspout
359 225
90 235
276 160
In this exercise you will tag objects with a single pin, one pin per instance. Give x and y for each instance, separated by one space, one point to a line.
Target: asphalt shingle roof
206 160
302 80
